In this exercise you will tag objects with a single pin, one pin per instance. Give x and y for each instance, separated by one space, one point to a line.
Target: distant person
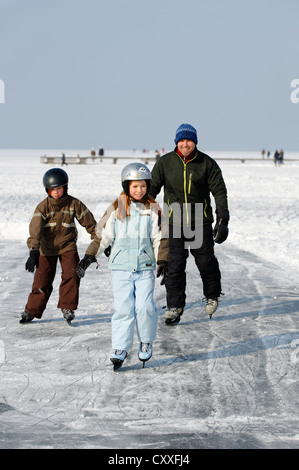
101 153
132 227
263 153
276 158
53 236
188 177
93 154
63 161
268 154
281 157
157 154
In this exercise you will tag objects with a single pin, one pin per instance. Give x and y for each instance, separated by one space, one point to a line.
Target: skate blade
173 321
144 361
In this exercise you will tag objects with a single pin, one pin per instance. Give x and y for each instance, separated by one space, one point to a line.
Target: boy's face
186 147
137 189
56 193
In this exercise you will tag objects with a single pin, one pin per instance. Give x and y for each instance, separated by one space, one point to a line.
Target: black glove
220 232
107 251
84 263
32 261
162 270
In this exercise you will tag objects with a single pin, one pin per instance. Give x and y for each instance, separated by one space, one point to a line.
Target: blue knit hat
186 131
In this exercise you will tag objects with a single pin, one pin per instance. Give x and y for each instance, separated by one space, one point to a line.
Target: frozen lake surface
230 382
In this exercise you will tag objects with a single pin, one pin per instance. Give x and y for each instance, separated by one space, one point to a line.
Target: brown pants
43 283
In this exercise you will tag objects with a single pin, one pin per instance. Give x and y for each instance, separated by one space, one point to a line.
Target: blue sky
125 74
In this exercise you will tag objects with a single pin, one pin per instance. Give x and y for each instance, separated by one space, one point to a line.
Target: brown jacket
52 228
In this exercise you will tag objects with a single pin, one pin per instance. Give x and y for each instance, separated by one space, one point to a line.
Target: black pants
206 263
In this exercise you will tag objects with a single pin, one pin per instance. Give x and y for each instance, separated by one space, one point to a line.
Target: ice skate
211 306
145 352
68 315
26 317
173 315
118 357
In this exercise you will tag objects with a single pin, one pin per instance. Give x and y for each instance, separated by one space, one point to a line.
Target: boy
53 235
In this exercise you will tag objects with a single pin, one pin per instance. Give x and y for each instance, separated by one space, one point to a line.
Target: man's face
186 147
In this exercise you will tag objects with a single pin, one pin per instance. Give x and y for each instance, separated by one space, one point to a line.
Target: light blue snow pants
133 301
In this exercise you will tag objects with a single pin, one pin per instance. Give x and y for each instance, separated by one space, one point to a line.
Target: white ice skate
173 315
211 306
145 352
68 315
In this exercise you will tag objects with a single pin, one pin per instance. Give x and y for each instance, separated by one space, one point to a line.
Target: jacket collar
58 203
186 159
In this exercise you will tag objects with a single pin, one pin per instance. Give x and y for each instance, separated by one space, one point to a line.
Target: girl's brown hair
123 202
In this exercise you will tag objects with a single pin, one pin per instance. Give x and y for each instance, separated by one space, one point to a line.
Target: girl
132 227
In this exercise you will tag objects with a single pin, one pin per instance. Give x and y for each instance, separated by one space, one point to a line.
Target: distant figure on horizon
276 158
101 152
63 161
93 154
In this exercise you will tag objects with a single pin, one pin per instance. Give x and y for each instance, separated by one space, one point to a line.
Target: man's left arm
218 189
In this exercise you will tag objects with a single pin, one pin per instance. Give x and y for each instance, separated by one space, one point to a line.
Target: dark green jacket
186 184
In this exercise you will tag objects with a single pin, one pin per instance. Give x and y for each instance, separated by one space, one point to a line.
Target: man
189 177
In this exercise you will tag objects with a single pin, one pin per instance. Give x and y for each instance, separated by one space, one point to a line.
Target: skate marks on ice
240 369
228 382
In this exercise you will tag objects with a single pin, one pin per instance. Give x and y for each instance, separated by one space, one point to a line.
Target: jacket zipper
185 192
185 184
190 178
170 212
147 264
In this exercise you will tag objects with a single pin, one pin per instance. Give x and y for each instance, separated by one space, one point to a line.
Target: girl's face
137 189
56 193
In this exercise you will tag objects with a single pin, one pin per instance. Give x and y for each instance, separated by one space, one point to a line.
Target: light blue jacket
134 241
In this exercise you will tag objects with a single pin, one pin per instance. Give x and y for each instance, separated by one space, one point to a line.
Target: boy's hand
162 270
84 263
32 261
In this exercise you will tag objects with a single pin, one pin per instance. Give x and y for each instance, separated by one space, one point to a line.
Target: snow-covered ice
230 382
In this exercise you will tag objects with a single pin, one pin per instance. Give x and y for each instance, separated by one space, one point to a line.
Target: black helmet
55 178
